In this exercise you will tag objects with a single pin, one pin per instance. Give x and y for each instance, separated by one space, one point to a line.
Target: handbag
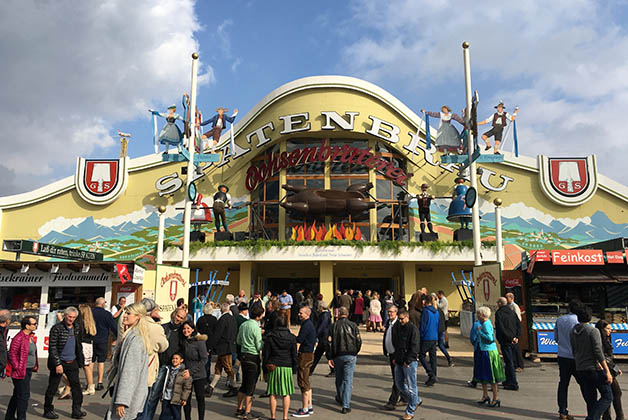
270 367
614 371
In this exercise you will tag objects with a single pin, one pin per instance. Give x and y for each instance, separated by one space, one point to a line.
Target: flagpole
190 175
475 211
160 234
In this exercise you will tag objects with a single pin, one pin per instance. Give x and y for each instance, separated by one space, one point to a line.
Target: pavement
450 398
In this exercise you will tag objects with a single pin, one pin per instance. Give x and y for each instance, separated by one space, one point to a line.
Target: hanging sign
615 257
578 257
172 283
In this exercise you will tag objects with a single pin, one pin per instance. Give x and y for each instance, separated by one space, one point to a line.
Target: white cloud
525 212
59 225
73 70
560 61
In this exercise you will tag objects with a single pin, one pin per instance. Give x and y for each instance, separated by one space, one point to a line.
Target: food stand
45 289
597 278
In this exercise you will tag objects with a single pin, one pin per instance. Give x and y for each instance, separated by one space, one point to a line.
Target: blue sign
620 342
545 342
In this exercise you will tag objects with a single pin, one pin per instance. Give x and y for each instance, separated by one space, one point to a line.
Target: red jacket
18 355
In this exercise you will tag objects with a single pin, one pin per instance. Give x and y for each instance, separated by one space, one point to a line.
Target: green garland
258 246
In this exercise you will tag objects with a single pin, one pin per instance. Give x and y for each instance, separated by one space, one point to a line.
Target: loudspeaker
463 235
197 236
241 236
429 237
223 236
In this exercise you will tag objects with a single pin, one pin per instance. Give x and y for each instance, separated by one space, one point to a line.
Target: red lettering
382 164
308 155
372 159
273 163
336 150
294 157
324 151
364 153
346 152
354 155
252 178
283 160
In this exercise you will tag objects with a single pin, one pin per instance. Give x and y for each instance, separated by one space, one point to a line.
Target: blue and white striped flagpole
514 131
156 138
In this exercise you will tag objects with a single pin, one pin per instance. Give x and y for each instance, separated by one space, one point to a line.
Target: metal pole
498 232
475 211
160 234
190 175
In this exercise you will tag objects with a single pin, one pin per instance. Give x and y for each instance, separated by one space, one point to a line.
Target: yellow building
110 206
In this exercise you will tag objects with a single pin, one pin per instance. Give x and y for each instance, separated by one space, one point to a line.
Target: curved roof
299 85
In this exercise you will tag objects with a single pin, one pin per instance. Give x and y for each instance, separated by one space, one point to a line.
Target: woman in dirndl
487 365
447 137
170 134
279 364
375 317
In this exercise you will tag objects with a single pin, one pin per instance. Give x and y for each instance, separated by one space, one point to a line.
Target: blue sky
74 74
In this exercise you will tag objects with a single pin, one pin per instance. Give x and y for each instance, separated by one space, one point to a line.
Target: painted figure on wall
447 137
458 210
218 123
222 199
170 134
498 120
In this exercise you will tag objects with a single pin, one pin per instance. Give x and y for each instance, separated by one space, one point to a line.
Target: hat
243 307
445 106
149 304
223 108
424 186
223 185
172 106
500 103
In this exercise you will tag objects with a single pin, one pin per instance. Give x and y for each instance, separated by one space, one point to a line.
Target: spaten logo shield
568 181
101 181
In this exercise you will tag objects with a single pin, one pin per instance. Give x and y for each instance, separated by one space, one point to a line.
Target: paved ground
450 398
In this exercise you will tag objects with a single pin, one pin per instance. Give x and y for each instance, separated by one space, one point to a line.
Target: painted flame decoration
322 233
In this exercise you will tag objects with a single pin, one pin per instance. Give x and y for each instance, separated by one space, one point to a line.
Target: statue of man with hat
425 200
498 120
218 122
222 199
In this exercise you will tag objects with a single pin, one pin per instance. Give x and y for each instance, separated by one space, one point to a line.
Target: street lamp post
160 234
187 214
475 211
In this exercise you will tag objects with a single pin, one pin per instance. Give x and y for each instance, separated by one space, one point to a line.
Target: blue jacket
104 323
486 336
307 337
214 119
429 324
473 334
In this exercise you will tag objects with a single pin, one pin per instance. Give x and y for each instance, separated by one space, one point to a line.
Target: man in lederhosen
222 199
218 122
498 120
425 200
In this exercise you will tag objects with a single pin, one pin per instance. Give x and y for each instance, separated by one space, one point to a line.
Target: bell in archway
458 210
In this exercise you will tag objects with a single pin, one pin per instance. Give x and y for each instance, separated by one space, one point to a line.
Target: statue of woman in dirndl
170 134
447 137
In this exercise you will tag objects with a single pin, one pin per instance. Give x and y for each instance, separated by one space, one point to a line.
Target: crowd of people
250 339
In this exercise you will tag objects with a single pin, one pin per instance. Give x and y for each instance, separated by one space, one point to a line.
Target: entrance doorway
379 285
291 285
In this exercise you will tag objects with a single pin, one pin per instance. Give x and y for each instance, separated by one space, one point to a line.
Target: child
177 389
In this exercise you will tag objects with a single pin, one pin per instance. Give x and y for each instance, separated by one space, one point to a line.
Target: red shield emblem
569 176
35 247
173 289
101 176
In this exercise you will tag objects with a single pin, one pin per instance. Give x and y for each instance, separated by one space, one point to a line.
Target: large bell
458 210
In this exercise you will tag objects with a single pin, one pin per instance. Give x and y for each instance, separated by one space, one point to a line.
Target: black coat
269 321
171 332
280 349
3 350
223 341
344 338
406 340
207 325
59 334
195 354
507 325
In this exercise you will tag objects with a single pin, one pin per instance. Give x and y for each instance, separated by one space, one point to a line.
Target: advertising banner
171 284
488 285
578 257
546 343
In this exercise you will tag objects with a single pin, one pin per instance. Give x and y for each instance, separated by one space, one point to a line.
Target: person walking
344 345
194 350
105 324
508 331
487 366
88 331
23 359
171 331
358 308
250 342
206 325
126 382
176 391
406 342
429 339
375 317
223 344
442 330
5 317
566 362
322 331
389 351
65 356
607 346
415 307
443 305
279 363
591 367
306 340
